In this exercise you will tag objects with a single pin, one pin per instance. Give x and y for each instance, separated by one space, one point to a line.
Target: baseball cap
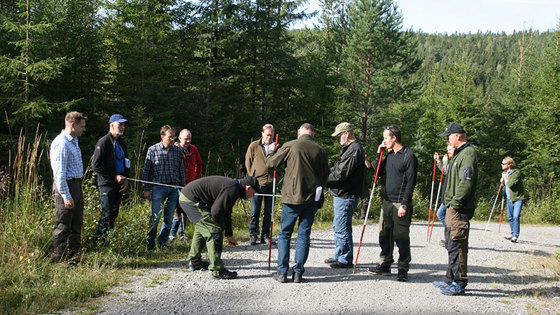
117 118
452 128
342 127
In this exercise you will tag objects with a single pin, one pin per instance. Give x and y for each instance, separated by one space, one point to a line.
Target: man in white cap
110 162
345 183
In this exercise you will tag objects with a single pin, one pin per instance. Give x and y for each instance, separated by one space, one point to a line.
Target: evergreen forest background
224 68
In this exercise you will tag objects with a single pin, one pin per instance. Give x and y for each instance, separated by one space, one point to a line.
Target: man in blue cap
111 163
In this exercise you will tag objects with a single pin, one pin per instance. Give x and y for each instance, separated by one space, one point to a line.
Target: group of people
208 202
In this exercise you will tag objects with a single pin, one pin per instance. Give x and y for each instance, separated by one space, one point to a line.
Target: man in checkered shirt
66 163
163 165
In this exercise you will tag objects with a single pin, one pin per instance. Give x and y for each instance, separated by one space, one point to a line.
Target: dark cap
452 128
251 181
117 118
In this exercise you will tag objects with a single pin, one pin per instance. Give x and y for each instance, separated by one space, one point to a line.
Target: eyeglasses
504 163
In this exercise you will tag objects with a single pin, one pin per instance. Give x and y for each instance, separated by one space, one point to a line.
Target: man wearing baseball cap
462 177
208 203
110 162
345 183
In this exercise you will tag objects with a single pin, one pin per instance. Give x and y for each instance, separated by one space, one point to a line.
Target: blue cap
118 118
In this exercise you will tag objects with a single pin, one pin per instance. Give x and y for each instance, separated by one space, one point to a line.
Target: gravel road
504 278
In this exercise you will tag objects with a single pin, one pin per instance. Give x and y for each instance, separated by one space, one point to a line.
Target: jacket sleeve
465 182
222 208
274 160
411 171
249 159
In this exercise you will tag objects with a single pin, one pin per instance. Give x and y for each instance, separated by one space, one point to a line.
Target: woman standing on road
513 181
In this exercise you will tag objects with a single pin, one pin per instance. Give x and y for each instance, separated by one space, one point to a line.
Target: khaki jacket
255 162
307 167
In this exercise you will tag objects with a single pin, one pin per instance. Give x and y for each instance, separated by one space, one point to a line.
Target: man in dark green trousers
208 203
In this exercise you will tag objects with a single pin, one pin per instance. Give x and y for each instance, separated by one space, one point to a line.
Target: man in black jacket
208 203
345 182
111 163
398 168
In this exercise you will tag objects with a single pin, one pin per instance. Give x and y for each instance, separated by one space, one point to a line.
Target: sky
464 16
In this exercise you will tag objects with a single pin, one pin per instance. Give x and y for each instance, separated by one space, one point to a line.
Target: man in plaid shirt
66 163
163 165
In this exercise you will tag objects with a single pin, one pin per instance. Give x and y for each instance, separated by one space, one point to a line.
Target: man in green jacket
307 170
460 201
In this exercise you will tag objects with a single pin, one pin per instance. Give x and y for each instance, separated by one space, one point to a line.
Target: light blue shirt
66 162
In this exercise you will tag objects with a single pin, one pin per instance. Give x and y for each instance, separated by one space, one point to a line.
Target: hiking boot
330 260
514 239
509 237
453 289
297 277
198 265
380 270
225 274
265 239
402 276
280 277
253 240
440 284
339 265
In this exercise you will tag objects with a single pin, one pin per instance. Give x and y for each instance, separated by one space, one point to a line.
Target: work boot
195 265
330 260
453 289
253 239
297 277
339 265
265 239
280 277
225 274
380 270
402 276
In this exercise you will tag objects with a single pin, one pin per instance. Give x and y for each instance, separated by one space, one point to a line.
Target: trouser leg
457 238
386 241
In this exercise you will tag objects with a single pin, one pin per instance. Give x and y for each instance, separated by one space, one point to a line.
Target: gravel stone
501 281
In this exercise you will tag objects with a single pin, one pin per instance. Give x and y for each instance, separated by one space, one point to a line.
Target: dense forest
224 68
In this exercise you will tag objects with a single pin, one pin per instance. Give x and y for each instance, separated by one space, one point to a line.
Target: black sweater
399 170
103 162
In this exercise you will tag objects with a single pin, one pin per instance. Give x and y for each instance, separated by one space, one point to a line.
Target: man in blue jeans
163 165
307 170
345 182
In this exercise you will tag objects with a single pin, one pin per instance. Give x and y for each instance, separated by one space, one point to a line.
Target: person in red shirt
193 170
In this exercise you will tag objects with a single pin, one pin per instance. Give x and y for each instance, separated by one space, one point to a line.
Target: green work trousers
207 232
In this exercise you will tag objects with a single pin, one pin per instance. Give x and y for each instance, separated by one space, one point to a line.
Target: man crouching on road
208 203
